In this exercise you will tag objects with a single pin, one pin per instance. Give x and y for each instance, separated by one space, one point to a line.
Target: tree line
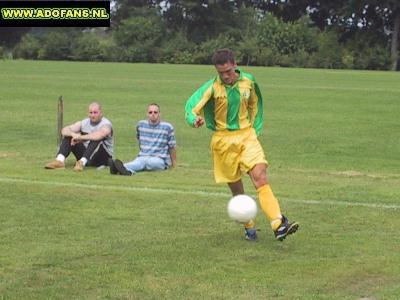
292 33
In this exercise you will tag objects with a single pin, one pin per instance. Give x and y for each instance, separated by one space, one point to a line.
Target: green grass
333 143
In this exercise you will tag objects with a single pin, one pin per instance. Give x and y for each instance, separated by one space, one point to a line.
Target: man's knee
96 152
259 175
94 144
155 163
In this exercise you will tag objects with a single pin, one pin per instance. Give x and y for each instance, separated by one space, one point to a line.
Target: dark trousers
95 152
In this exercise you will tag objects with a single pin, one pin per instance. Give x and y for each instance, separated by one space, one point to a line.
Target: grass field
333 143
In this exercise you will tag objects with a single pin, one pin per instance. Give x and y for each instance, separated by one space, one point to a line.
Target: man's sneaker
285 229
113 169
251 234
78 166
119 165
55 164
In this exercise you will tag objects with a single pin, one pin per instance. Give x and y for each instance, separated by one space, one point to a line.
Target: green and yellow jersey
226 107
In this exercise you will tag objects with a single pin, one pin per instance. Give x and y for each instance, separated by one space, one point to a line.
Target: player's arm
196 103
172 154
172 147
72 130
97 135
255 108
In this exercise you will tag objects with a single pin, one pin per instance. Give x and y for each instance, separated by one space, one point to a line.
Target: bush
138 30
287 38
248 51
140 36
380 58
110 51
256 40
348 59
329 54
300 59
56 46
176 49
373 58
203 53
87 47
28 47
368 51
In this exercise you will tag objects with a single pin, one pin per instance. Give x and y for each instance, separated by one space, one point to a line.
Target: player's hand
198 122
76 139
74 142
75 135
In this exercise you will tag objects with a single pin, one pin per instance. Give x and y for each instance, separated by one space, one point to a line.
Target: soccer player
231 105
157 146
90 140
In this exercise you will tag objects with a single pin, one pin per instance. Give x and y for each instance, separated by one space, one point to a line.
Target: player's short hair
154 104
98 104
223 56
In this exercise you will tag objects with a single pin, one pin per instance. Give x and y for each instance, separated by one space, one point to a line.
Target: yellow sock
270 205
251 224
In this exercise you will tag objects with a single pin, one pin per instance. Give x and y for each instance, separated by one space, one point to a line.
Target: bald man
90 140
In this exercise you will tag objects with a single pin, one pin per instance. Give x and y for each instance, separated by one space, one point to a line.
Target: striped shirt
156 140
226 107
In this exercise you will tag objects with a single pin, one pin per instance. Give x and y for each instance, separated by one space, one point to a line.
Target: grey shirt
88 127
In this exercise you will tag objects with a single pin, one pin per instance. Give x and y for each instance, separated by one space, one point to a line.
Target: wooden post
60 119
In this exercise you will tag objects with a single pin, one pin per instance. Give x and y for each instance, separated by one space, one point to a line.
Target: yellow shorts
235 153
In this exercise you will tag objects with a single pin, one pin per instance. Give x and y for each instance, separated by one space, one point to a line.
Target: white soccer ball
242 208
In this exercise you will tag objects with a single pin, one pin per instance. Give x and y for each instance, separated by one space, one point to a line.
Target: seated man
156 143
90 140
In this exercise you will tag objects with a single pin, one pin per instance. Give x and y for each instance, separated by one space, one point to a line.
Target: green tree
28 47
140 36
287 37
87 47
202 20
57 44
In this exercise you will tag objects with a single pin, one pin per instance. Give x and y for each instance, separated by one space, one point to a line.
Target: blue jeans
145 163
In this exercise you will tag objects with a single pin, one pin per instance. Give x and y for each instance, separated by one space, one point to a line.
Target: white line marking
189 192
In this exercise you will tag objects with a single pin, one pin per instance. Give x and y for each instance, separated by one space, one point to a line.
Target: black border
56 22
